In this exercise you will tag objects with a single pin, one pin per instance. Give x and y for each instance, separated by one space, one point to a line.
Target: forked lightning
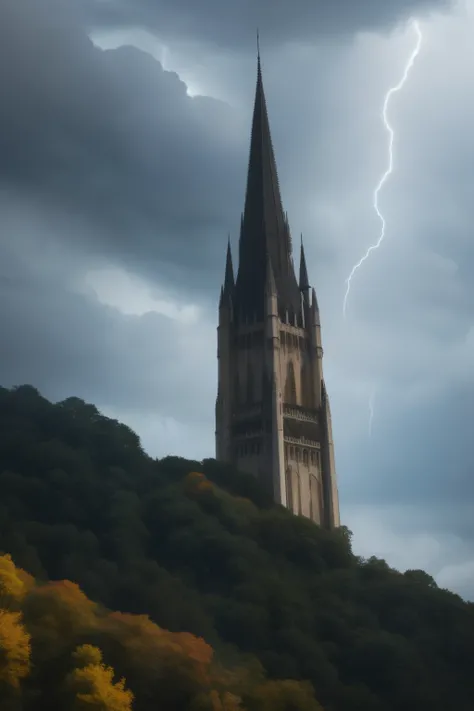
393 90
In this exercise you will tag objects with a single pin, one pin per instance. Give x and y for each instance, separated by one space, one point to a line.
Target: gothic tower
272 410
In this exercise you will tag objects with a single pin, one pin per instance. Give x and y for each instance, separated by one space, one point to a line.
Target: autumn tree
14 582
92 683
15 653
171 668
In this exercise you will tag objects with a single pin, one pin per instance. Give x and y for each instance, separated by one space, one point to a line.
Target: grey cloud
421 455
66 342
233 23
433 539
111 137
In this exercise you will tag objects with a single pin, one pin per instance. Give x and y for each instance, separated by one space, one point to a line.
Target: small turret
229 282
304 281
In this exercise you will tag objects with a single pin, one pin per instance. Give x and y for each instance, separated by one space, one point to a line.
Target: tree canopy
226 601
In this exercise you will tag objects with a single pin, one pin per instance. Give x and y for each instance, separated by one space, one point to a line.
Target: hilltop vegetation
249 606
52 645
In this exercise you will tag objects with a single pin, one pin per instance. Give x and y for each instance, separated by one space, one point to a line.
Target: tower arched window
305 391
290 385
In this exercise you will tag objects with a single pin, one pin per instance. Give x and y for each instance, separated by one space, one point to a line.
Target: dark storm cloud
111 137
232 23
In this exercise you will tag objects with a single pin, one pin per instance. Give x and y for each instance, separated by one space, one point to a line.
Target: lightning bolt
371 412
393 90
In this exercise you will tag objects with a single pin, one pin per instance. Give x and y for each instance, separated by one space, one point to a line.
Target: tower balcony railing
302 442
299 413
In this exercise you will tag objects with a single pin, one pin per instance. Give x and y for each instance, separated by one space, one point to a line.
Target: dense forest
145 584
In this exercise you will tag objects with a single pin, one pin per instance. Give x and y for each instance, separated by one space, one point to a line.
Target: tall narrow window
290 385
305 384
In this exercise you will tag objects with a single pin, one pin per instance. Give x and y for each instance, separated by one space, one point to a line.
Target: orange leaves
14 649
179 653
93 686
194 647
197 483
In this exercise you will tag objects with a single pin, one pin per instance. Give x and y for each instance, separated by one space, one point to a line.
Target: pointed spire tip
229 282
304 281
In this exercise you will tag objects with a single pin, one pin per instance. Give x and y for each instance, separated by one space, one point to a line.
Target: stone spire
264 228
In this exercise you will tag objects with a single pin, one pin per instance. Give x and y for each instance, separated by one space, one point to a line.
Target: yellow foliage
87 654
93 684
15 648
14 582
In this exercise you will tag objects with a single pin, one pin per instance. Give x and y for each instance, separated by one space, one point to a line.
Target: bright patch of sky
133 296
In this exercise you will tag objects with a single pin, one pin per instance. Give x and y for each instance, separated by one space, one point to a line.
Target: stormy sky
124 137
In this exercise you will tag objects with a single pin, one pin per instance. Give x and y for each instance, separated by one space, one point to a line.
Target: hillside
196 546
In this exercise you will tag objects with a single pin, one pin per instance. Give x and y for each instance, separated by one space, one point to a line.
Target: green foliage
198 548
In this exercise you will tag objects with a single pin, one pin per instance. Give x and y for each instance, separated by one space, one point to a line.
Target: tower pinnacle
229 271
304 281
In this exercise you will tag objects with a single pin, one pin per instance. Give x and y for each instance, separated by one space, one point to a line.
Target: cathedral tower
272 410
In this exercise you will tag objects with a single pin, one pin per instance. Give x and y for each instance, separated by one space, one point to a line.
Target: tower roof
264 228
